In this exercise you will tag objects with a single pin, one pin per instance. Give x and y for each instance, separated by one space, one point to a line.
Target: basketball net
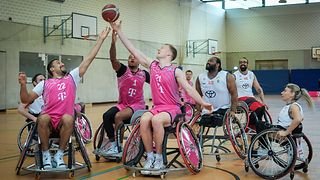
216 53
90 37
86 37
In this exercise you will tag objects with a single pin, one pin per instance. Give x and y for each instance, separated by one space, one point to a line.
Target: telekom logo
132 92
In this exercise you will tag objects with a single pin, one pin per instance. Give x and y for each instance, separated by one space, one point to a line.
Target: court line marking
100 172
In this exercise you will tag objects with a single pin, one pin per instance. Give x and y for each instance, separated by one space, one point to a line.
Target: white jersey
244 83
36 106
215 91
284 119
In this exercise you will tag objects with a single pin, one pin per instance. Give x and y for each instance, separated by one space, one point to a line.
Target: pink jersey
130 86
59 96
164 86
185 95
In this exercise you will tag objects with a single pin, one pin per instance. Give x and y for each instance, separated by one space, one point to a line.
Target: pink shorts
55 120
173 110
134 107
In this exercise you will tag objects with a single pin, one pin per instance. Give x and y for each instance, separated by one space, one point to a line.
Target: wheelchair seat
211 120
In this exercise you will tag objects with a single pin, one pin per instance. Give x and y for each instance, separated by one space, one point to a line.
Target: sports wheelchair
102 142
186 145
82 123
271 156
232 130
32 146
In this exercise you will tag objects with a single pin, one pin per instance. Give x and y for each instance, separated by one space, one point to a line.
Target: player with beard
130 87
59 93
245 80
218 88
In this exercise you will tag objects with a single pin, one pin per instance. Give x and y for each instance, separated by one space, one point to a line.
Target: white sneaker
148 165
158 164
110 151
46 159
58 160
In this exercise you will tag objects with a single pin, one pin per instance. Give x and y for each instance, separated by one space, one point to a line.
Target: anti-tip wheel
97 158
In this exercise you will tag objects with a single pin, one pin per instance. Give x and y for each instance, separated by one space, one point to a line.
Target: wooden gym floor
230 167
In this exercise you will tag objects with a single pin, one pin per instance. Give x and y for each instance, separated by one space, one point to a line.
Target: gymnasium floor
228 168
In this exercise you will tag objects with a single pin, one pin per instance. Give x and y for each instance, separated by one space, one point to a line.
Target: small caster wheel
118 160
305 169
71 174
256 165
37 175
291 175
246 168
162 176
134 174
97 158
218 158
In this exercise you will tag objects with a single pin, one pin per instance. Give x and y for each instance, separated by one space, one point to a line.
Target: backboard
212 46
84 26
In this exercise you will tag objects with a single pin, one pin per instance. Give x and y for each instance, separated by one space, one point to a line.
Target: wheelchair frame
134 153
37 167
281 152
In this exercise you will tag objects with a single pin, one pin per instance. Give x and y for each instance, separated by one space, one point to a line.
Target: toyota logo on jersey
245 86
210 94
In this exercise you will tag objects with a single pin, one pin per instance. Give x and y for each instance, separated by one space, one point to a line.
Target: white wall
282 32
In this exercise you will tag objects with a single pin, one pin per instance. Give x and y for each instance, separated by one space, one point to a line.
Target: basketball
110 13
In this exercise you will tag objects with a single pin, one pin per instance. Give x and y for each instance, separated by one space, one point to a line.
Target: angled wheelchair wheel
84 127
22 137
82 149
189 147
133 149
271 156
237 136
100 141
189 112
26 148
304 152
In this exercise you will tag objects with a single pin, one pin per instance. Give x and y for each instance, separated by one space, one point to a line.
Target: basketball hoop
318 57
85 37
90 37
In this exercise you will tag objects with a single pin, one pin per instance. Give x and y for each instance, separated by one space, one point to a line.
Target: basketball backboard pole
53 23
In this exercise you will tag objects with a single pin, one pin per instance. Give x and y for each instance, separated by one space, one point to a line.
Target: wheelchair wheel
26 148
83 150
271 156
22 137
133 149
84 127
189 112
237 136
100 140
306 155
189 147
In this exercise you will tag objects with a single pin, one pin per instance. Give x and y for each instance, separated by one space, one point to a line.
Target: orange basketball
110 13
